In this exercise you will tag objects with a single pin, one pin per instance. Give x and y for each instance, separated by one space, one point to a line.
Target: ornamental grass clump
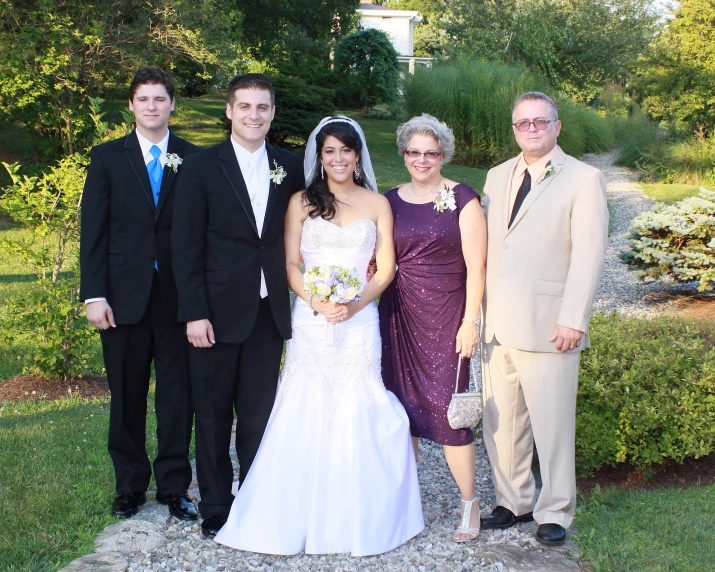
675 242
646 392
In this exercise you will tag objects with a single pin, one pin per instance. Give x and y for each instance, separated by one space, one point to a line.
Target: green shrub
475 97
675 241
646 392
665 154
367 61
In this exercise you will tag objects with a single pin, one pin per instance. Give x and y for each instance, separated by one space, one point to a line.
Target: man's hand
371 270
566 338
100 315
200 333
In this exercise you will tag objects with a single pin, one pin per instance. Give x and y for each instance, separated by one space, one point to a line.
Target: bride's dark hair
322 202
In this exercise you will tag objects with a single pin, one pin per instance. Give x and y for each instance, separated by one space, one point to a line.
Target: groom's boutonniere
278 174
445 200
548 171
173 161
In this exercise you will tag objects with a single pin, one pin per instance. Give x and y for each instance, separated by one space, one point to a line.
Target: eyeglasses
523 125
431 155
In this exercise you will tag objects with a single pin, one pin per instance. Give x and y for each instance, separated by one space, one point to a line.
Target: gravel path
152 541
620 290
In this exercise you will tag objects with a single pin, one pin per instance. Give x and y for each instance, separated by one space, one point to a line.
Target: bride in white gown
335 472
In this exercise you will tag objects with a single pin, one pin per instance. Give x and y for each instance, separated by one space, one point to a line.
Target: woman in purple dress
428 315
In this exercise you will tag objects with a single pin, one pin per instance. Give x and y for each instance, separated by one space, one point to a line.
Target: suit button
263 247
506 246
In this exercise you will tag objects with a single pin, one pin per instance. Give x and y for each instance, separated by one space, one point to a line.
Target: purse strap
456 383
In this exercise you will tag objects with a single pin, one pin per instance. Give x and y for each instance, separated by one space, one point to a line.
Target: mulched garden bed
40 389
690 473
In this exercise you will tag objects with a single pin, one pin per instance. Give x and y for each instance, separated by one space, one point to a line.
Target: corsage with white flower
173 161
445 200
278 174
548 171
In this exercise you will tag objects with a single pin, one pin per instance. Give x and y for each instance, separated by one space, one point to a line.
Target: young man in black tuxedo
128 286
230 269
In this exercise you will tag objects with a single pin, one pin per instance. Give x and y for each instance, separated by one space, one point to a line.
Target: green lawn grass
655 531
669 194
56 480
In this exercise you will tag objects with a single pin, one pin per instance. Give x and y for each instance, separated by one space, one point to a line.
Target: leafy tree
676 82
58 54
296 37
577 45
429 37
50 316
369 62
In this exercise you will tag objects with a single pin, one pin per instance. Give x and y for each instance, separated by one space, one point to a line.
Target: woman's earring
357 171
322 171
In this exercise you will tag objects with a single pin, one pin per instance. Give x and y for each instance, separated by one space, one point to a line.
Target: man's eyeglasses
432 155
523 125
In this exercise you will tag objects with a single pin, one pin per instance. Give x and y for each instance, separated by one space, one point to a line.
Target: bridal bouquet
335 284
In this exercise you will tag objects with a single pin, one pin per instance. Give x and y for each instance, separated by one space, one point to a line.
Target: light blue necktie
155 173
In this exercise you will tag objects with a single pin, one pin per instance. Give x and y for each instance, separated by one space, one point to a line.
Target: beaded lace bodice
324 243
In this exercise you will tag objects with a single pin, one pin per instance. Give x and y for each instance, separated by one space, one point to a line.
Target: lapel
271 151
229 165
557 161
175 145
505 191
133 153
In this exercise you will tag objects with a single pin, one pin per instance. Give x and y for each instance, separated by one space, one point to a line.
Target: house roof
376 10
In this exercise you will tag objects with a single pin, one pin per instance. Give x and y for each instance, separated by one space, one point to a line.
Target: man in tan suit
548 227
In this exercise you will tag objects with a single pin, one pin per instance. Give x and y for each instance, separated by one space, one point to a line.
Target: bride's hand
342 312
323 306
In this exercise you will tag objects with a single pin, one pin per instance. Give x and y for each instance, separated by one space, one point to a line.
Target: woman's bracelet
471 321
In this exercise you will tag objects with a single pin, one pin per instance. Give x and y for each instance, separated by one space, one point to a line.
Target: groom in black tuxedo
230 269
128 286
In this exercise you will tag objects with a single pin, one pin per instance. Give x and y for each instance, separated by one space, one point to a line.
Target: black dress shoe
127 504
180 505
212 524
551 534
502 517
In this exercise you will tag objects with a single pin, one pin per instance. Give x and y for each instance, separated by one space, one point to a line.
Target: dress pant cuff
553 517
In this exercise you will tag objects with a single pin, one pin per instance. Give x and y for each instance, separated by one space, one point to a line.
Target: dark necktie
521 195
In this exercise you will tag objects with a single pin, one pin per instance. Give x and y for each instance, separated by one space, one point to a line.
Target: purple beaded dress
421 312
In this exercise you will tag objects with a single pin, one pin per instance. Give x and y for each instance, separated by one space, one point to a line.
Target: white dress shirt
255 170
145 145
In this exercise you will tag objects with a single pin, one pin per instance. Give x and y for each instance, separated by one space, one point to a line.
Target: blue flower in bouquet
335 284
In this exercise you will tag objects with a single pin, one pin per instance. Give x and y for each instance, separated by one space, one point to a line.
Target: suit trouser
227 377
531 397
128 353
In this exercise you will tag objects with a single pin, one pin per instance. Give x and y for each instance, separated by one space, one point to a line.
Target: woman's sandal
464 526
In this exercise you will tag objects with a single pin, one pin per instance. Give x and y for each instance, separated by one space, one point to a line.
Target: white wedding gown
335 472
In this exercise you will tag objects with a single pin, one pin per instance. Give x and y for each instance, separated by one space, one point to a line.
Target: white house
399 26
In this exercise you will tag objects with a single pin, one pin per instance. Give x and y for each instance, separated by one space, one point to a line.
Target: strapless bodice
351 246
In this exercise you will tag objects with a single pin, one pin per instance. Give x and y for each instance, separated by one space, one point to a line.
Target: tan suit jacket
545 269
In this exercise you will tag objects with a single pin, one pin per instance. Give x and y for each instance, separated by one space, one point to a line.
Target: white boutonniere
445 200
548 171
173 161
278 174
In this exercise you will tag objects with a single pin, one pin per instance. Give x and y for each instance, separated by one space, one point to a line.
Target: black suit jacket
218 254
123 233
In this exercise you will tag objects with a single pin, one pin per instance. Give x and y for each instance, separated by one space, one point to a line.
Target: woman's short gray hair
426 124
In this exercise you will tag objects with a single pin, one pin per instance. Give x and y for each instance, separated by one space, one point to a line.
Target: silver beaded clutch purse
465 409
